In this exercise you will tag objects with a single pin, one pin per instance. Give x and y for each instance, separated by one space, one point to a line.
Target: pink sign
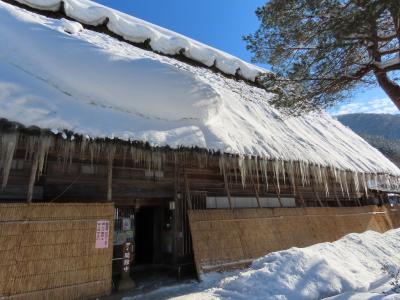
102 234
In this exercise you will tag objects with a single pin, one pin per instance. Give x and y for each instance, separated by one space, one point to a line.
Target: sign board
102 234
127 256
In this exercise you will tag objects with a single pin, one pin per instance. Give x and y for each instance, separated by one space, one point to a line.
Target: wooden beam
111 155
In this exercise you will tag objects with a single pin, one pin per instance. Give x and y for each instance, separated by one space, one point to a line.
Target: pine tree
322 50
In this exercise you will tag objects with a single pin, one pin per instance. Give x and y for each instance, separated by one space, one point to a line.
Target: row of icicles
248 170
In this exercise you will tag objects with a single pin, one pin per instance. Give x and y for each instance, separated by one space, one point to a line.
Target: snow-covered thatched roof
55 74
158 39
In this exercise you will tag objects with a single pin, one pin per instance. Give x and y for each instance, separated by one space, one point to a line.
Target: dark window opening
144 240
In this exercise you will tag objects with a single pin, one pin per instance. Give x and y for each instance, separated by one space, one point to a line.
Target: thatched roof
145 34
57 75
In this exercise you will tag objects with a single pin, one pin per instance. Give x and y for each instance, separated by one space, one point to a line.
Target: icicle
334 174
92 155
291 172
307 169
242 169
346 183
43 148
319 175
235 168
31 146
264 170
375 180
356 182
220 164
340 175
84 145
324 179
249 168
363 183
302 173
71 151
257 172
276 165
133 155
8 146
314 174
155 160
387 181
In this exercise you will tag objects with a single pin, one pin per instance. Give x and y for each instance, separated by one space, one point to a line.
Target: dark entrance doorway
144 240
154 261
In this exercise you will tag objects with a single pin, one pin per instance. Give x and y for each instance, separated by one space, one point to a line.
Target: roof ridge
145 35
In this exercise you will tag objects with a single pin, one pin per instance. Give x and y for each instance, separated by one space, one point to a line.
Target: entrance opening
144 240
149 228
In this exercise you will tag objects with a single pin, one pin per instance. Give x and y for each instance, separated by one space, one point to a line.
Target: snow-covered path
350 268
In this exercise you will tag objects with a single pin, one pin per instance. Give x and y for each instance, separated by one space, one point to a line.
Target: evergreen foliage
320 51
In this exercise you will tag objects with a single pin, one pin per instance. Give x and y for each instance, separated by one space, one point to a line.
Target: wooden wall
70 181
47 251
224 239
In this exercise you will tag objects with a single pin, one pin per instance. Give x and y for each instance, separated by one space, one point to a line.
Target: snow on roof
57 75
138 31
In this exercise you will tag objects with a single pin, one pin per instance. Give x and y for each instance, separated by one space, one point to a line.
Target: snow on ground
349 268
54 74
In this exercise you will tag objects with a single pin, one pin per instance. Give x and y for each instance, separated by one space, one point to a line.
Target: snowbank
54 74
351 265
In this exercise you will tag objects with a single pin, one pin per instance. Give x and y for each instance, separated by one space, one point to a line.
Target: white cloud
378 106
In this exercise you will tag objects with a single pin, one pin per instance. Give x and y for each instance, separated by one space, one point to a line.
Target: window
249 202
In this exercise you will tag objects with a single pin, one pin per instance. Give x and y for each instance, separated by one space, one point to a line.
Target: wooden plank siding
69 181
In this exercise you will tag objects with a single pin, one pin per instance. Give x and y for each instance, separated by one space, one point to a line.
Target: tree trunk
391 88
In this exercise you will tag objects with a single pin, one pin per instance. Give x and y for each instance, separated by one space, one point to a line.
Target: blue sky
221 24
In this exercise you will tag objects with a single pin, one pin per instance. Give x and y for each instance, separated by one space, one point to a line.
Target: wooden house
97 106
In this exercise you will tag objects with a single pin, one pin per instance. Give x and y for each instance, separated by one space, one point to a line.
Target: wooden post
175 214
32 177
187 189
110 172
109 181
256 192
